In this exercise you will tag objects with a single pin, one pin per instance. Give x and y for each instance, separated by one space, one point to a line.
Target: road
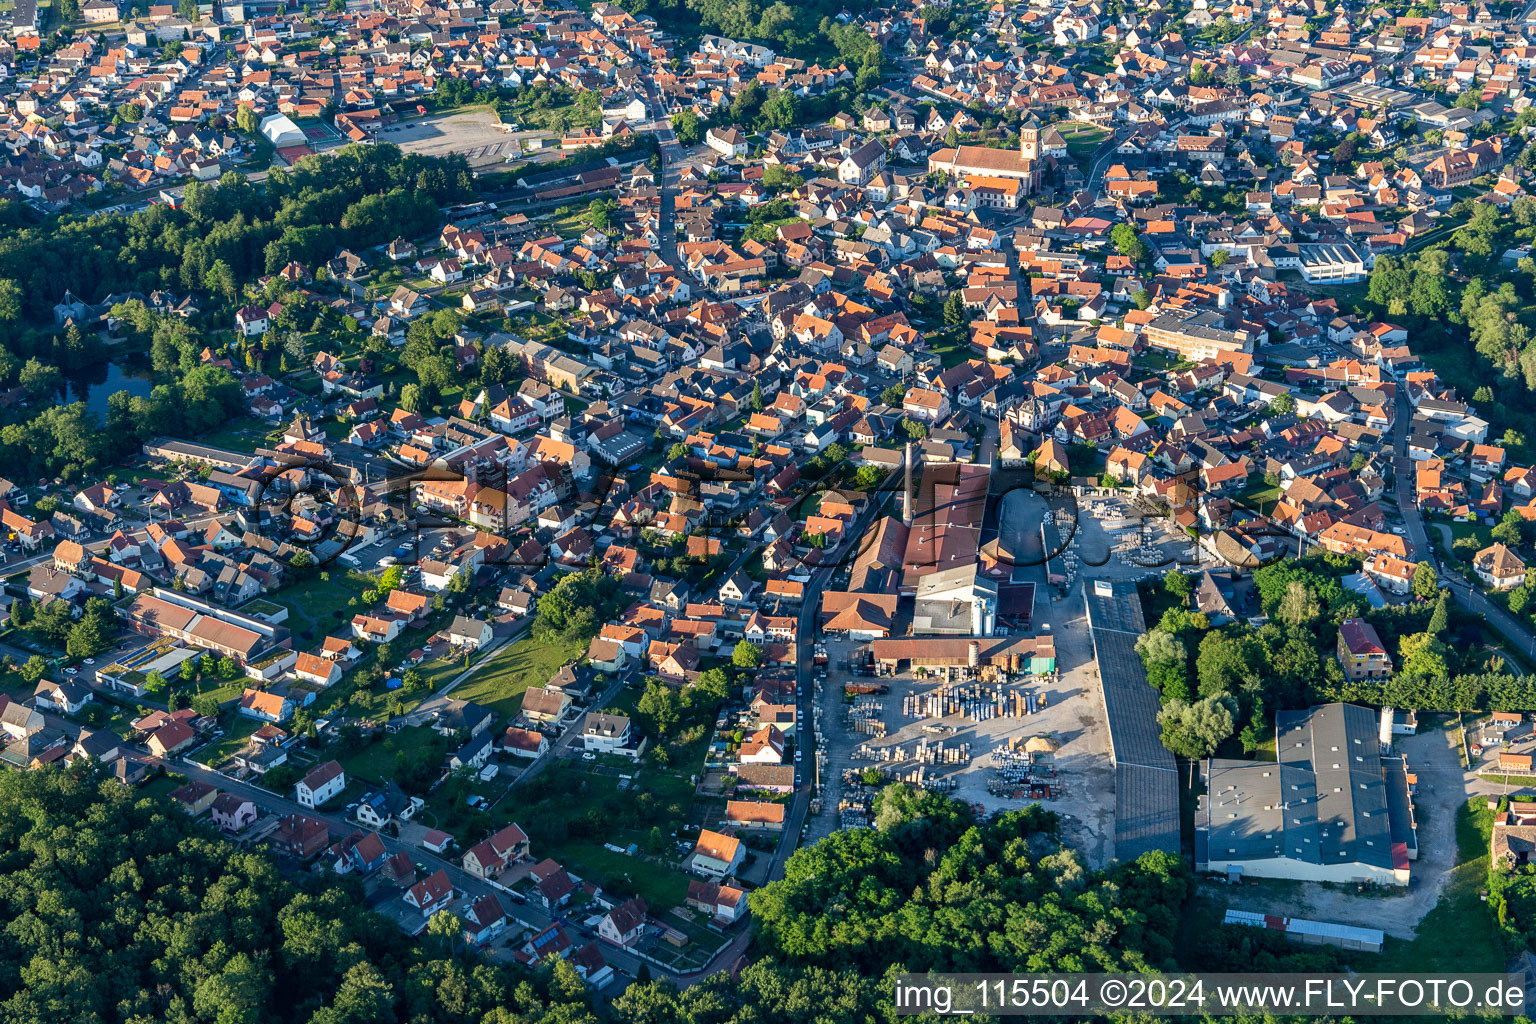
473 888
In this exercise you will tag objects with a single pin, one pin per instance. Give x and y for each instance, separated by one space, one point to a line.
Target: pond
93 385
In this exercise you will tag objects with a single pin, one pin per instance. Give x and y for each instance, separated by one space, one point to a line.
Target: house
195 797
301 836
716 856
754 814
524 743
317 669
729 142
266 706
553 884
765 746
544 706
467 633
484 921
1361 652
623 925
321 784
67 697
431 894
232 812
496 852
169 739
475 752
380 807
725 903
607 734
1498 567
362 852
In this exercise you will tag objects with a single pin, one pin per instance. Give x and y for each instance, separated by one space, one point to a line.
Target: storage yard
996 738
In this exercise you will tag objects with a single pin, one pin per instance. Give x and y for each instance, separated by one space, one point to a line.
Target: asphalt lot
474 133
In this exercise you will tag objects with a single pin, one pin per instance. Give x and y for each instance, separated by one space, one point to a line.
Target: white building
321 784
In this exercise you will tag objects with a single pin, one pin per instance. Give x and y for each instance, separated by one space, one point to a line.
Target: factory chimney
906 493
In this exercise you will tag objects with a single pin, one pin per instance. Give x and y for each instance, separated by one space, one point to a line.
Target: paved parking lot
476 134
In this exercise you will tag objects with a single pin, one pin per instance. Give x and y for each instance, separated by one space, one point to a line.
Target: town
561 471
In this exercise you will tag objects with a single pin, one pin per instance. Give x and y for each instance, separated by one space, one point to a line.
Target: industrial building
1036 654
1335 807
1146 777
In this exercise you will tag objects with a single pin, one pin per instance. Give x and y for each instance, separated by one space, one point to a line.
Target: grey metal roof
1146 779
1324 802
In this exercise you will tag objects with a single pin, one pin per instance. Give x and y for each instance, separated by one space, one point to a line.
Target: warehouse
1324 813
1146 778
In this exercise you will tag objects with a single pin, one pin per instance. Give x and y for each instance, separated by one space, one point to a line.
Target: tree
713 685
1126 241
660 707
1164 657
188 10
38 379
893 395
1298 606
33 669
245 119
685 125
780 110
1283 404
1425 581
1196 730
1220 258
867 478
747 655
1177 585
679 450
1440 618
954 310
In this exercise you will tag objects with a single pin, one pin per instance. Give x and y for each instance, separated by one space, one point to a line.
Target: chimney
906 494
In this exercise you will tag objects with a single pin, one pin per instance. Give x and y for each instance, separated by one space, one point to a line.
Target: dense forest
120 908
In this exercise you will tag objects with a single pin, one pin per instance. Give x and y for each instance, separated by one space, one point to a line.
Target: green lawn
499 682
1082 138
1459 934
240 435
661 887
1259 495
376 762
952 345
318 607
237 730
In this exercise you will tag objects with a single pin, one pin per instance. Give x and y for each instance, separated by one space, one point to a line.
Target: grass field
318 607
237 730
659 886
376 762
499 682
1259 495
1082 138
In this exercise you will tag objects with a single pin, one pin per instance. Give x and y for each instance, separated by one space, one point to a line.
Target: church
1024 165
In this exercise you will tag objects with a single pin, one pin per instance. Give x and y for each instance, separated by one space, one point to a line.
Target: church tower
1029 140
